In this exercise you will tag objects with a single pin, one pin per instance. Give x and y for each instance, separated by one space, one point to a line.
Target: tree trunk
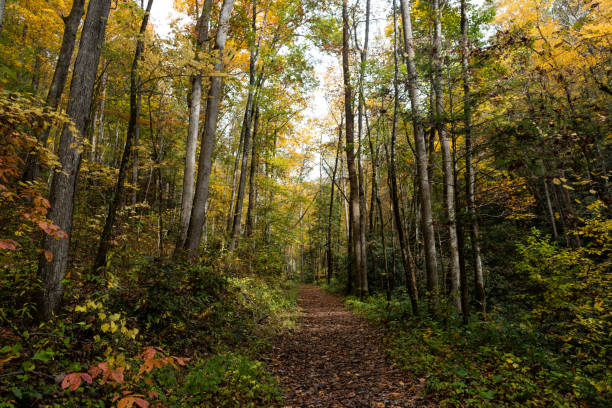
330 252
361 181
62 67
198 212
252 175
350 157
469 169
465 312
135 157
447 165
63 186
98 132
230 215
421 158
404 247
246 133
2 5
105 239
192 130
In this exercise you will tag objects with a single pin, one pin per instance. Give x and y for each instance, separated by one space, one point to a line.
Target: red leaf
10 245
117 375
72 380
127 402
141 402
49 256
94 371
87 378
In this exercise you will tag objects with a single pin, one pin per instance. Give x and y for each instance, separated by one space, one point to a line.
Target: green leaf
17 393
44 355
489 394
28 366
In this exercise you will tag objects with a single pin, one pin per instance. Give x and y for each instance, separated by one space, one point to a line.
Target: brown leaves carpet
334 360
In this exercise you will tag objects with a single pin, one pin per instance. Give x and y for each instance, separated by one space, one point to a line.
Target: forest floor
334 359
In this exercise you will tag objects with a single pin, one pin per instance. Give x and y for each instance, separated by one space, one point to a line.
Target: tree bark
252 175
198 212
2 6
407 261
421 158
194 123
356 237
361 181
447 165
60 76
330 252
469 168
63 185
135 163
98 131
246 132
105 239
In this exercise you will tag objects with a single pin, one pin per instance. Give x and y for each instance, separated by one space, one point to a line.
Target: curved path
333 360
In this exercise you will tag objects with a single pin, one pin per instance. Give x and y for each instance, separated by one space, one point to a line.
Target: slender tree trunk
330 252
198 212
98 132
194 123
469 169
460 220
252 175
230 215
350 156
105 239
63 186
421 158
404 248
447 165
2 6
361 181
246 129
135 155
62 67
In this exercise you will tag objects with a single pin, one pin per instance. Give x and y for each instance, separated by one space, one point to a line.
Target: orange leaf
49 256
117 375
127 402
72 380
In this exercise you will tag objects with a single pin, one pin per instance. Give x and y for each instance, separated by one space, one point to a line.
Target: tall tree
330 252
60 76
447 164
198 212
54 259
469 166
356 235
194 123
407 260
427 226
252 175
360 114
246 127
105 238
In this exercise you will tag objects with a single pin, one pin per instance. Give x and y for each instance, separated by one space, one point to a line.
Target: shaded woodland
167 185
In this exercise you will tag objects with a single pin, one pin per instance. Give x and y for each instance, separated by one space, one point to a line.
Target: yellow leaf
105 327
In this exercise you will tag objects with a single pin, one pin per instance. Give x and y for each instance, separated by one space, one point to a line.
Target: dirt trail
334 360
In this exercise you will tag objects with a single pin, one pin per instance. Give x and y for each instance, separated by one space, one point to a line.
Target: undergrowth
160 332
550 347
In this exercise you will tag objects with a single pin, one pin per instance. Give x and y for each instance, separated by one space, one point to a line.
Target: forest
305 203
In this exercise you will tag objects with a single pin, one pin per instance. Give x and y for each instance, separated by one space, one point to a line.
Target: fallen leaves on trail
333 360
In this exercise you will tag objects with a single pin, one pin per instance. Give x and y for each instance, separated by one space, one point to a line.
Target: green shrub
223 380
